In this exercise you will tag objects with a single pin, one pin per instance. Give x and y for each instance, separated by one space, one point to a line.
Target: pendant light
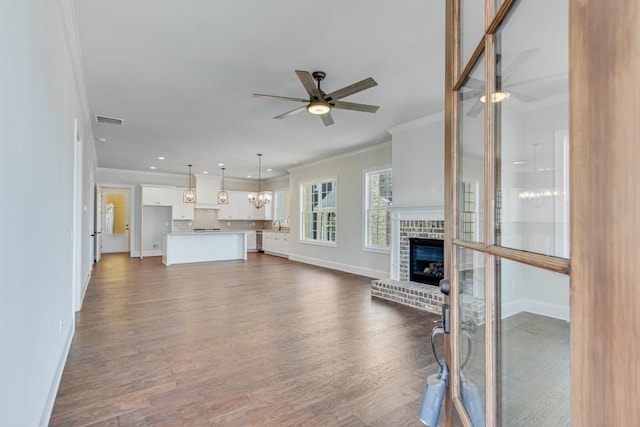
189 195
260 198
223 196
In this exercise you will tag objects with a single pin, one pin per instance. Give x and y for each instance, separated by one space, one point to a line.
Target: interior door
508 240
115 220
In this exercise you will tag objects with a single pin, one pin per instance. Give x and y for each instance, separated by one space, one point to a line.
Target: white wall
348 255
418 162
39 105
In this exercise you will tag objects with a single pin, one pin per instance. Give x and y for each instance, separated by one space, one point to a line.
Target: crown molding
68 19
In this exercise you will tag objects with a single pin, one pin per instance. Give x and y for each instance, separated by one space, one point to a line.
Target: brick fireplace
424 222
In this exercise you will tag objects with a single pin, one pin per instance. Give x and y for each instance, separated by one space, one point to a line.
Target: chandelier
537 196
260 198
189 195
223 196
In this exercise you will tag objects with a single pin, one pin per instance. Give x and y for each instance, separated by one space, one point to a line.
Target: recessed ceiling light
160 158
220 164
248 176
205 172
152 167
269 170
520 163
102 139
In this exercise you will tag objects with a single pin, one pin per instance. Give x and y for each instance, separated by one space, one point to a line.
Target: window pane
471 28
318 214
377 215
471 146
534 346
532 139
472 339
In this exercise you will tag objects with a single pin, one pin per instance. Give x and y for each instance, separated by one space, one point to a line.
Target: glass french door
507 172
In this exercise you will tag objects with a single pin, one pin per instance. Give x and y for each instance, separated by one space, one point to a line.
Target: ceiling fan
502 84
321 103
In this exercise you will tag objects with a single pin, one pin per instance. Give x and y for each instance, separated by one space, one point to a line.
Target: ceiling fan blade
327 119
286 98
292 112
471 94
308 83
475 109
351 89
355 107
522 97
516 63
473 83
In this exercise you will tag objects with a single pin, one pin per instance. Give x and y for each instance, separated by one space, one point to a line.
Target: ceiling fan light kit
318 107
320 103
498 96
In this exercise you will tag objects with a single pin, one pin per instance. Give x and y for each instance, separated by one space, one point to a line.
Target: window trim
366 246
301 189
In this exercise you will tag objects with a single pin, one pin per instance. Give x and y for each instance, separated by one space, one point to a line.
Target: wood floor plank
264 341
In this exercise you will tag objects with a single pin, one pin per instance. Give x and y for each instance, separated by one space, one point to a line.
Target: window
377 216
470 210
318 211
279 211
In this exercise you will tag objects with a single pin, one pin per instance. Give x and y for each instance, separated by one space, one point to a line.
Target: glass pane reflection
532 139
534 342
472 338
471 149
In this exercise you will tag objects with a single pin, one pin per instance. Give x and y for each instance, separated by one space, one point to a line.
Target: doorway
116 235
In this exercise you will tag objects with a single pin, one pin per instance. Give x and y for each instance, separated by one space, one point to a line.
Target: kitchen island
195 246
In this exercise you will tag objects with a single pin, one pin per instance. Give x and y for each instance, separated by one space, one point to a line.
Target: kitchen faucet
279 226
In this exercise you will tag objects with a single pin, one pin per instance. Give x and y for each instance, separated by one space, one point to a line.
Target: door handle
445 286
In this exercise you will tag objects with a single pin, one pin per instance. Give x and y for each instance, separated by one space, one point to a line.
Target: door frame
454 81
604 213
101 189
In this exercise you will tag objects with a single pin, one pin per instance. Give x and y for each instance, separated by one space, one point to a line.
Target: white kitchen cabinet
275 243
239 208
181 210
157 196
232 209
207 188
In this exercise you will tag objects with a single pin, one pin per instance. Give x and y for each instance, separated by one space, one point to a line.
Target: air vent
109 120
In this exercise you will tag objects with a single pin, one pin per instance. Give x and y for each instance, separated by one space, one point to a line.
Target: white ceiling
181 75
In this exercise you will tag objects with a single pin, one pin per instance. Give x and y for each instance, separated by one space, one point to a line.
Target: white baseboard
547 309
157 252
362 271
85 286
511 308
53 390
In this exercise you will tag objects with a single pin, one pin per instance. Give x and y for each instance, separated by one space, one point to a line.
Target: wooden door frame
604 107
604 117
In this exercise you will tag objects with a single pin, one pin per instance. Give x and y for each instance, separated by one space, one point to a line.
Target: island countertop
201 246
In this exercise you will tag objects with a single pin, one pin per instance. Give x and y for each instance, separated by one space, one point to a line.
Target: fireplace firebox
426 260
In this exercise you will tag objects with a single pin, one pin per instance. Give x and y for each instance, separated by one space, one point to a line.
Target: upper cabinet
239 208
207 188
180 209
157 196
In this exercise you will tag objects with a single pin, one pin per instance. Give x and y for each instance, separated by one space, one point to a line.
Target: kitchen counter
201 246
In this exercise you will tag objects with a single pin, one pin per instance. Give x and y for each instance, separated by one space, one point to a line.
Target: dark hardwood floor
265 341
